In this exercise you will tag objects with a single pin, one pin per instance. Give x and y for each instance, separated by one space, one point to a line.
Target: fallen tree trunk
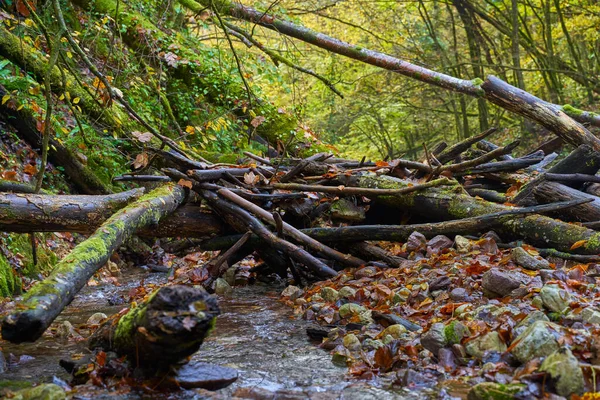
166 328
551 116
42 304
454 203
24 213
548 192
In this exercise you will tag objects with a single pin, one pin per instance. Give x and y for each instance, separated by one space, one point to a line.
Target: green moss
451 334
495 391
9 281
477 81
570 110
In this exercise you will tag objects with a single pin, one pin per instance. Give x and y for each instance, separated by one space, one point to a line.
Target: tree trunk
42 303
84 214
166 328
454 203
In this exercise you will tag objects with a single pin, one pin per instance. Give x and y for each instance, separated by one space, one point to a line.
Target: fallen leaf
257 121
142 137
185 183
578 244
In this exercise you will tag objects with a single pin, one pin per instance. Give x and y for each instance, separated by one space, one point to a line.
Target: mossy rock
494 391
10 282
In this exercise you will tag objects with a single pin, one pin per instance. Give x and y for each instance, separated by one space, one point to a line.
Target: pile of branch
312 217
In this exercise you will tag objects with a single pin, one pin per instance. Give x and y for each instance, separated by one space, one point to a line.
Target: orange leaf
382 164
184 183
578 244
9 175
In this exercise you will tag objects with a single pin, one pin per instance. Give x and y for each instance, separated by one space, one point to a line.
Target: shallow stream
255 334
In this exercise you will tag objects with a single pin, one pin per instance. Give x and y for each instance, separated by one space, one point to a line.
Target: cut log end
168 327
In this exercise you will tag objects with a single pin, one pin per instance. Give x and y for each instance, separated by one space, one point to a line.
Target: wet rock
522 258
454 332
222 288
330 294
47 391
365 272
438 244
340 356
3 363
459 295
493 391
519 292
434 339
66 331
349 309
293 292
564 368
347 292
488 343
447 359
539 340
394 331
229 275
553 275
440 283
590 315
415 379
96 319
555 298
416 241
351 342
203 375
462 244
372 344
498 283
528 320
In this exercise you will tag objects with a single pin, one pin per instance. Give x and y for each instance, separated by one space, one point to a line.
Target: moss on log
9 281
42 304
453 203
167 327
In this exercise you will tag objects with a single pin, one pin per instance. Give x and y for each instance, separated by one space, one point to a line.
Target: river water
255 334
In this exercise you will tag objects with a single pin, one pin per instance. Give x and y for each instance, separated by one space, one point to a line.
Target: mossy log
42 303
164 329
24 213
547 192
455 203
82 177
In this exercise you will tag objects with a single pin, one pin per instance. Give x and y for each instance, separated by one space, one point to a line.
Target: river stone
351 342
498 283
493 391
488 343
66 331
222 287
459 295
462 244
400 296
229 275
293 292
372 344
527 321
539 340
438 243
96 319
522 258
564 368
394 331
330 294
196 374
555 298
349 309
347 292
454 332
365 272
590 315
47 391
416 241
434 339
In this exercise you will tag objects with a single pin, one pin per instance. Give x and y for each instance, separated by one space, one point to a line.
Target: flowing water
255 334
